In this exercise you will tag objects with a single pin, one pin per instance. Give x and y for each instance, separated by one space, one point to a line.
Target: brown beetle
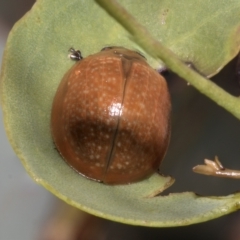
110 117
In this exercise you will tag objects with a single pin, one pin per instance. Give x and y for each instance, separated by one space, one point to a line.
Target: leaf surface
35 61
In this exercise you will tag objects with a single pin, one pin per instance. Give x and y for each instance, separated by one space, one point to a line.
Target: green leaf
35 61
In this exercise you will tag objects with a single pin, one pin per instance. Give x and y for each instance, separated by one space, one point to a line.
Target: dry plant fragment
216 169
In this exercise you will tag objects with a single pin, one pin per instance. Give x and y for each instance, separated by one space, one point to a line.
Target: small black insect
75 55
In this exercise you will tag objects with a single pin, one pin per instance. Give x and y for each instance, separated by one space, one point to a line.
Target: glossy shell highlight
110 117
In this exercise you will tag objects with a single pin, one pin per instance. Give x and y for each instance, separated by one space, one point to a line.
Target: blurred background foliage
200 129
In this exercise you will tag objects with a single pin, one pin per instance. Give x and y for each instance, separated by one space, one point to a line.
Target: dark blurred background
200 129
